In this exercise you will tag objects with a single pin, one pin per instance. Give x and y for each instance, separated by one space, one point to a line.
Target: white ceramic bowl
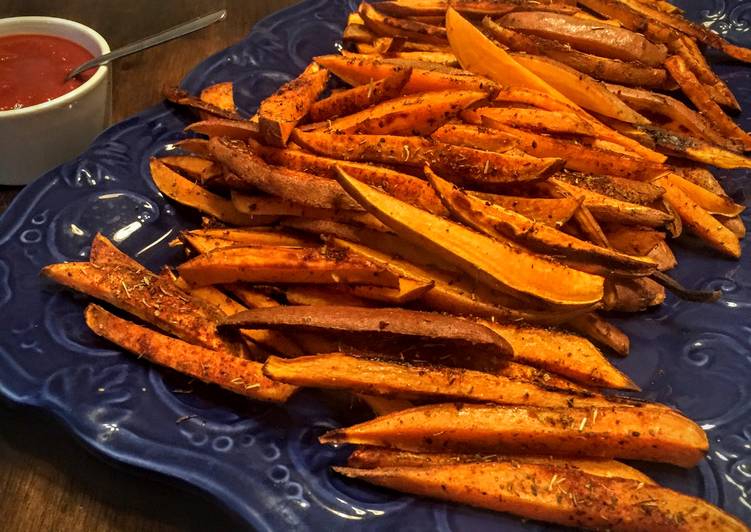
37 138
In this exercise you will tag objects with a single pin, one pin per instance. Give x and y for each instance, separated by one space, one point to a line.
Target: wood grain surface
47 480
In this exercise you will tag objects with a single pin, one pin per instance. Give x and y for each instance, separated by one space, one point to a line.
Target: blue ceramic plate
263 462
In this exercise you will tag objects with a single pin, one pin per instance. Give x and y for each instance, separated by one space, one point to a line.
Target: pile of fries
439 240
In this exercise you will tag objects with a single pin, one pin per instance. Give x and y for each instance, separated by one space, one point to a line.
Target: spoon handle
153 40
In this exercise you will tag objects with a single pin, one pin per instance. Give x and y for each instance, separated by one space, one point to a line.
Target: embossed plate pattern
262 462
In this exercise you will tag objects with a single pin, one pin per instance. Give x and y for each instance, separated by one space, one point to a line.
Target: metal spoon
148 42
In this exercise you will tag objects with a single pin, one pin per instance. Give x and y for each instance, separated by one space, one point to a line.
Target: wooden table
47 480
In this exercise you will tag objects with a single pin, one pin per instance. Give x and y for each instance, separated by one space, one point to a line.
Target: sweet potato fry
554 212
662 104
417 381
143 294
707 200
274 206
465 165
197 168
564 495
378 321
283 265
412 8
700 222
609 209
374 457
563 354
181 97
690 28
501 224
194 146
251 298
633 20
413 30
577 157
581 89
601 68
560 122
233 373
409 290
619 188
280 112
316 295
363 69
642 242
220 95
687 48
439 58
405 187
635 295
614 432
241 237
358 33
588 36
358 98
452 293
601 332
695 92
234 129
478 255
300 187
183 191
419 114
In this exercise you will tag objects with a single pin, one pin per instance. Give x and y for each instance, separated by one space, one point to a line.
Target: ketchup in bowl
33 69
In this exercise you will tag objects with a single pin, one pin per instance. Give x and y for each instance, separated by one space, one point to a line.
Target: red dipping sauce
33 69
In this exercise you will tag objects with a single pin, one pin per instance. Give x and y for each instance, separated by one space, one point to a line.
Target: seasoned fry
382 321
614 432
539 120
358 33
465 165
558 494
180 189
413 30
478 255
373 457
358 69
687 48
197 168
500 223
233 373
220 95
554 212
578 157
405 187
417 381
273 206
452 293
695 92
358 98
300 187
564 354
707 200
201 239
642 242
412 8
619 188
610 209
195 146
409 290
602 332
408 115
581 89
700 222
181 97
588 36
601 68
313 295
280 112
234 129
635 295
283 265
140 292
